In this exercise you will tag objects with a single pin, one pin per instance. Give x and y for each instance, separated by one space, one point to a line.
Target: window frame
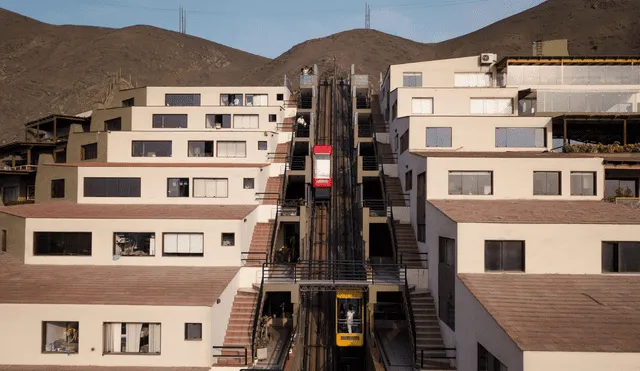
547 172
245 116
179 254
416 75
445 256
263 145
226 142
273 117
89 151
186 331
451 172
181 188
484 106
196 97
230 100
51 241
279 96
244 183
429 99
152 249
105 344
138 184
161 125
205 144
228 234
511 128
408 180
205 179
209 125
404 142
448 128
595 183
114 124
43 339
58 188
523 259
144 152
617 258
252 95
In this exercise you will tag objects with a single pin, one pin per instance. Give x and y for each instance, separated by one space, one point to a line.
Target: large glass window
193 331
89 151
546 183
412 79
404 141
491 106
257 99
57 188
245 121
178 187
620 188
113 124
182 99
447 251
488 362
218 121
211 187
131 338
521 137
134 244
183 244
232 149
150 148
111 187
170 121
62 243
621 257
60 337
199 148
422 106
438 137
473 80
231 99
470 182
583 183
504 256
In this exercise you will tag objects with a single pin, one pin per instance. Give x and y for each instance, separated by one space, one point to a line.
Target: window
620 257
546 183
200 148
170 121
182 99
279 96
273 118
504 256
131 338
583 183
60 337
232 149
89 151
211 187
60 156
143 148
218 121
248 183
262 145
421 197
497 106
470 183
128 102
620 188
488 362
422 106
394 110
3 240
113 124
178 187
62 243
183 244
228 239
447 251
411 79
257 99
245 121
134 244
438 137
404 141
521 137
408 180
57 188
473 80
111 187
193 331
231 99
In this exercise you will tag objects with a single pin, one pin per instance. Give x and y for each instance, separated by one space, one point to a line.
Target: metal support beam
624 139
564 142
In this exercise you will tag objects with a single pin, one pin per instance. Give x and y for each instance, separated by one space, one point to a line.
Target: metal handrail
246 257
445 358
256 317
410 318
377 207
297 163
370 163
413 257
241 350
334 271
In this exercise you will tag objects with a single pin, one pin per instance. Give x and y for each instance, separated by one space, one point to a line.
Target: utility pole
183 20
367 16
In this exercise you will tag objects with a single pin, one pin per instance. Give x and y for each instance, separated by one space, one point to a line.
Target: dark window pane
455 183
629 256
113 124
170 121
218 121
62 243
231 99
182 99
57 188
512 256
279 96
128 102
492 256
89 151
178 187
546 183
201 148
111 187
141 148
438 137
609 263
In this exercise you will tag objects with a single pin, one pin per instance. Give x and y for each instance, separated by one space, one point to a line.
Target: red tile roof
113 285
157 164
68 210
537 212
96 368
563 313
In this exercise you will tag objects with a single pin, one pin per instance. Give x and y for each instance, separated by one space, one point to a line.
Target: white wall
583 361
549 248
210 95
438 225
475 325
452 101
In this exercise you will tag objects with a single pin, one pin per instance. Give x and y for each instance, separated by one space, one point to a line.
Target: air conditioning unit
488 58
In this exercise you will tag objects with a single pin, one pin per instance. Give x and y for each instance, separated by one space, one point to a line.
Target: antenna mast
367 16
183 20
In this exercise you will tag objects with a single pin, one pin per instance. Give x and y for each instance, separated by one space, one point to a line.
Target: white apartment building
135 248
516 169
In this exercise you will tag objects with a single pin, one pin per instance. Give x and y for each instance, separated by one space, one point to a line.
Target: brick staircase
394 189
281 153
273 188
407 245
240 326
260 243
287 124
384 149
428 334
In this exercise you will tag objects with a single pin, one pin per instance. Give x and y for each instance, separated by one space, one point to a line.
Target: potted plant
263 337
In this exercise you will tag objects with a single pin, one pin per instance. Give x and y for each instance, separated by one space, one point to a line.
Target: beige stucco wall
439 73
549 248
154 184
451 101
210 96
475 325
24 324
583 361
475 134
47 173
100 116
77 140
14 227
512 177
103 240
139 96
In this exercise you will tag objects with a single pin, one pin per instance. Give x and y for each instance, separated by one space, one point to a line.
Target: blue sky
271 27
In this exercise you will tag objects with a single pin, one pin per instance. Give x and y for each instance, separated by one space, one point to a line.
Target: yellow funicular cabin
349 324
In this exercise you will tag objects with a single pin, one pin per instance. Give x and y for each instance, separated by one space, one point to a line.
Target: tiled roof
157 164
96 368
68 210
111 285
563 313
537 212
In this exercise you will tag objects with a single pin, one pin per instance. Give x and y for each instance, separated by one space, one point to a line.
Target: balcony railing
363 102
360 80
306 80
305 102
297 163
377 208
370 163
573 75
592 102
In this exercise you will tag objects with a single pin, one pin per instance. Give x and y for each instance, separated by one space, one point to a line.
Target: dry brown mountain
64 69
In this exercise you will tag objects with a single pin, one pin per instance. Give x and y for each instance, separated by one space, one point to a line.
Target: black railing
334 271
362 102
365 130
268 196
370 163
436 356
305 101
255 257
377 207
302 131
414 257
256 317
290 207
297 163
234 352
409 315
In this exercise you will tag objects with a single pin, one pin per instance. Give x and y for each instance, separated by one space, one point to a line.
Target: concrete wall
14 227
475 325
583 361
47 173
100 116
139 96
77 140
210 96
512 177
549 248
